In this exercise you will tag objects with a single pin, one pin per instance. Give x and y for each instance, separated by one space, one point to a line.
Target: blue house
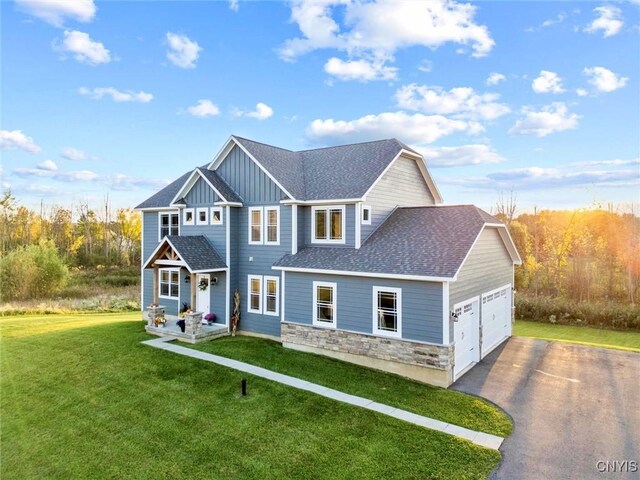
344 251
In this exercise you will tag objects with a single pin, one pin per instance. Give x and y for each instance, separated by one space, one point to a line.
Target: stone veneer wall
412 354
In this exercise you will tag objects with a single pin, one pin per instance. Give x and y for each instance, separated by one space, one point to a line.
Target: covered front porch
195 331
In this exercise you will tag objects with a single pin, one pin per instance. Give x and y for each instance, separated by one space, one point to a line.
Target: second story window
169 224
264 225
328 224
272 222
255 225
188 216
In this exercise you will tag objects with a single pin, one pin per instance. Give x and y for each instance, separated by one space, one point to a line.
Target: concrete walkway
479 438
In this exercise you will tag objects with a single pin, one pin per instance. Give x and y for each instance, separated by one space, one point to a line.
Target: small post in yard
243 383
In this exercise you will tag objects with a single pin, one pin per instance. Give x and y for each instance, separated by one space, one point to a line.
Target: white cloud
120 181
378 29
56 11
581 92
77 176
234 5
31 172
84 49
425 66
561 17
16 140
474 154
552 118
204 108
604 79
547 82
48 165
262 112
607 163
463 102
495 78
71 153
116 95
182 52
416 129
609 21
361 70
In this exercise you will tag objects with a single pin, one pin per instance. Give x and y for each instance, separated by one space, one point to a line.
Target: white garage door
496 318
466 333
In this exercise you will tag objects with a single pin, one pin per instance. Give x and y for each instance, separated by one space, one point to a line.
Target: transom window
169 224
387 311
324 304
169 283
264 225
263 294
328 224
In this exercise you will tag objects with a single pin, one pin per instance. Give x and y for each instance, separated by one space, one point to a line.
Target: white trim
208 270
250 224
266 278
334 304
428 180
368 209
265 215
191 181
327 224
170 270
225 150
186 211
167 212
365 274
358 218
374 302
173 263
331 201
155 209
227 277
282 298
211 215
294 229
446 314
228 204
492 292
249 309
206 212
142 302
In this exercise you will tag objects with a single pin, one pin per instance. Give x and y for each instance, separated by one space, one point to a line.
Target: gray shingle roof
196 252
163 198
345 171
225 190
421 241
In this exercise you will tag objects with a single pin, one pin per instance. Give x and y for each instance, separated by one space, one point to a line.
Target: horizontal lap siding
218 296
402 186
305 226
421 304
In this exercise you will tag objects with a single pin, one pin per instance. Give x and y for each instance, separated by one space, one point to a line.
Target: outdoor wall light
214 281
187 279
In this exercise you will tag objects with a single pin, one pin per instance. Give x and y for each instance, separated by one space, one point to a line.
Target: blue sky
118 98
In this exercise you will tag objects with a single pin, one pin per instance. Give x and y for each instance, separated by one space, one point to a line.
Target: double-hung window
325 304
264 225
328 224
169 224
169 284
387 311
263 294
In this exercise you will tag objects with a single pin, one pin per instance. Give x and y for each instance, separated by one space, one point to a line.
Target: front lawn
446 405
82 398
583 335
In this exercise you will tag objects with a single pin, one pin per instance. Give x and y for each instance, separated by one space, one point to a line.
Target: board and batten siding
248 180
401 186
201 194
421 304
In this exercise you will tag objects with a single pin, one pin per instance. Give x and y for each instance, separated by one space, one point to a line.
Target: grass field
82 398
582 335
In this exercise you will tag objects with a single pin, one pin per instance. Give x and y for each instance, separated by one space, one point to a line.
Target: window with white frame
327 225
188 216
202 216
366 215
272 225
169 224
324 304
255 225
263 293
387 311
216 216
169 284
254 294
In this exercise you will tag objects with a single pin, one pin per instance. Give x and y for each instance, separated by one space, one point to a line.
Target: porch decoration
210 318
204 284
160 320
152 313
236 312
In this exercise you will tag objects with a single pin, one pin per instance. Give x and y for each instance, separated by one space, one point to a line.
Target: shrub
34 271
565 311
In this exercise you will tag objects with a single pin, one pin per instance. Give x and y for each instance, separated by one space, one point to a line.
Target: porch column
193 291
156 273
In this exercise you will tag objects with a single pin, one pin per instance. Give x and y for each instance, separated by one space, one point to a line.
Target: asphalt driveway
573 406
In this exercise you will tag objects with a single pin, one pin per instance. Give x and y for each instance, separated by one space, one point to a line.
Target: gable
201 194
246 178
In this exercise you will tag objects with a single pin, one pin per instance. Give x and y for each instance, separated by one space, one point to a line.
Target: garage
466 335
495 319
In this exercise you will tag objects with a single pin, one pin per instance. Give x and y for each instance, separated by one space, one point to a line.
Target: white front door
203 295
496 318
466 331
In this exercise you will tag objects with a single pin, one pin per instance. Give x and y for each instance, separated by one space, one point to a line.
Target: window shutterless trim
217 210
199 210
169 271
193 216
386 333
265 294
169 213
250 292
260 225
327 224
266 225
334 304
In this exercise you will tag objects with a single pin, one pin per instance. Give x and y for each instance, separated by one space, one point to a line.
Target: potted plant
209 318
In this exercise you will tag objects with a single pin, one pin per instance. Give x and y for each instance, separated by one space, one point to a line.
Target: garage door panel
495 318
466 335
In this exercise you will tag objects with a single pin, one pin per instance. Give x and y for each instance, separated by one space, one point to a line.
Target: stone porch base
171 329
426 363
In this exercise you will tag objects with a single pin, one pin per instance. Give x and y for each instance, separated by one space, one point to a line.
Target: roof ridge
265 144
348 145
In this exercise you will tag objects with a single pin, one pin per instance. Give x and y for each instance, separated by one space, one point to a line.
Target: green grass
583 335
442 404
82 398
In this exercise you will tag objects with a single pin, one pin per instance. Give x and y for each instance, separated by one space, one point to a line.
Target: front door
203 293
